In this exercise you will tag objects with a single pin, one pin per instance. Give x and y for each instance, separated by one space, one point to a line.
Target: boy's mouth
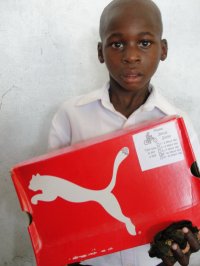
131 76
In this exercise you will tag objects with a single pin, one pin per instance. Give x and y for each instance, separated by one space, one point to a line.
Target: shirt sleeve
60 131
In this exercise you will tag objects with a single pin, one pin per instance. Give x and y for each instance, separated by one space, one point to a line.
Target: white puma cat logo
53 187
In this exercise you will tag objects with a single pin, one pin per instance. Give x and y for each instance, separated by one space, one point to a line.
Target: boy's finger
167 262
182 258
193 242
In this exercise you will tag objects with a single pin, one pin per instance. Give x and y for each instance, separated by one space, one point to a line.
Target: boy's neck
126 102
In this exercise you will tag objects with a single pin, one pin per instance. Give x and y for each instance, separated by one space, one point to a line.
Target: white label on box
158 146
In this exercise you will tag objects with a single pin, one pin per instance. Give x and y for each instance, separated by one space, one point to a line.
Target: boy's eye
144 43
117 45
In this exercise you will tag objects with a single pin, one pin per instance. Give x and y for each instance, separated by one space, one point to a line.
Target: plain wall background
47 55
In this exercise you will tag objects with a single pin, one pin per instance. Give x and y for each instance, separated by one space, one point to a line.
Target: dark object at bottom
77 264
161 245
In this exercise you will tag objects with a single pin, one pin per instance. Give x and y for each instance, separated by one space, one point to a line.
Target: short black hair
117 3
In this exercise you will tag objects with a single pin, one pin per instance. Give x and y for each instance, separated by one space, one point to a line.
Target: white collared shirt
92 115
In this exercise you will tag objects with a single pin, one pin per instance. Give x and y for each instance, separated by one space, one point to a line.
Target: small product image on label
158 146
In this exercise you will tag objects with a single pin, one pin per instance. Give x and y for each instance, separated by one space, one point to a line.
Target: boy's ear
100 52
164 47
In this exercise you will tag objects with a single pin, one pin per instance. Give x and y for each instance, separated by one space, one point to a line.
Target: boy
131 47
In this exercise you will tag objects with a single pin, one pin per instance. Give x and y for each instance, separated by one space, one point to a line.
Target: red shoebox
110 193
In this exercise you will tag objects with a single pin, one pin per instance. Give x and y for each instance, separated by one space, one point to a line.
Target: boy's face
131 47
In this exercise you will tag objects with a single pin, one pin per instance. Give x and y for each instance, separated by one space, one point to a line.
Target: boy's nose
131 55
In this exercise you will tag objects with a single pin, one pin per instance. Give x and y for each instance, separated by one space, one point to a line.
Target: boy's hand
176 243
183 256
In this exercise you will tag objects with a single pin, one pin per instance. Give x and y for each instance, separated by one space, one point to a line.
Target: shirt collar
155 100
101 94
